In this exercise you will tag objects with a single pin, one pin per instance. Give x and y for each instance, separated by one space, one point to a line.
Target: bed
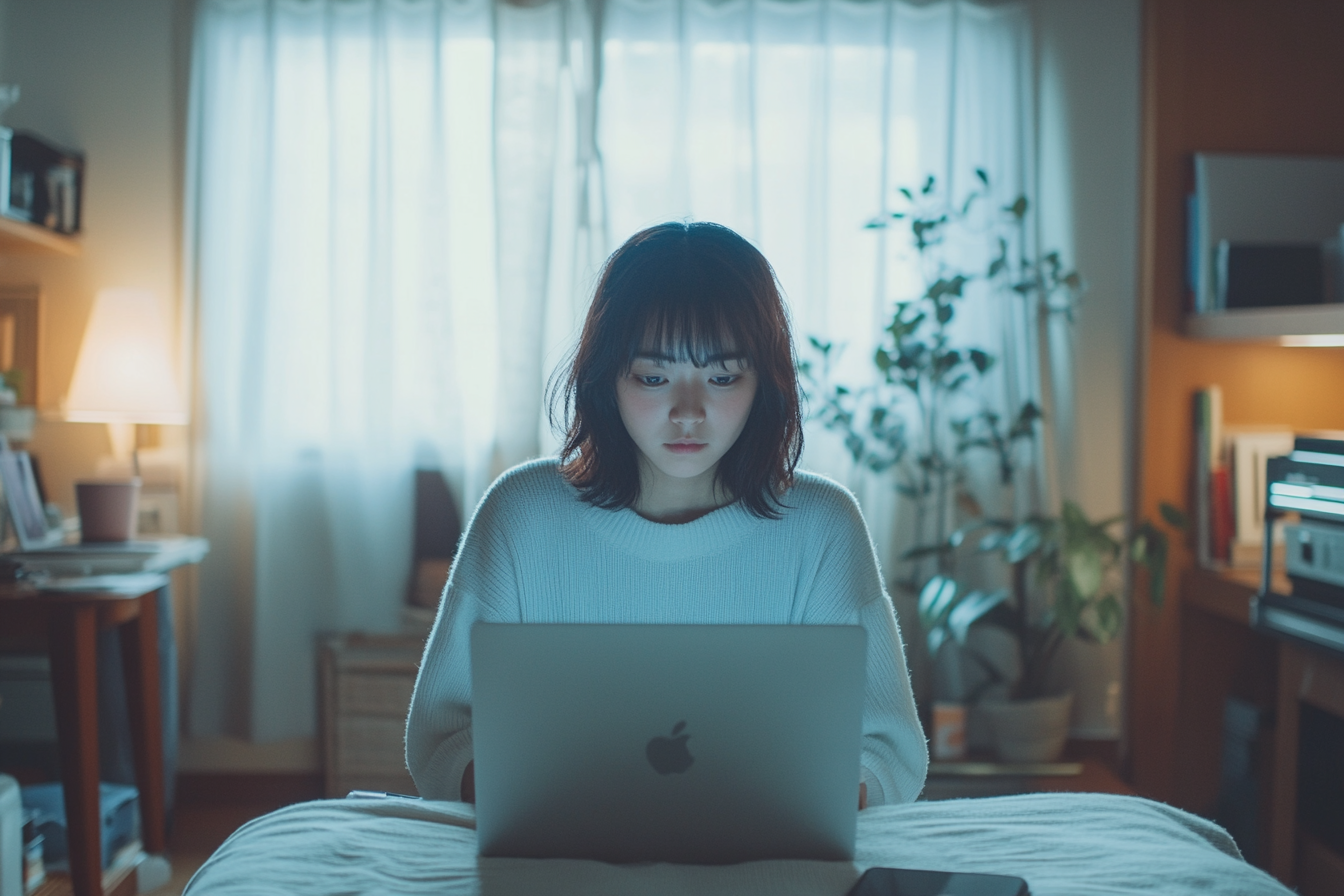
1064 844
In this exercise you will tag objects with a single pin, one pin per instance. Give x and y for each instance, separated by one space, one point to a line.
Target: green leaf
935 639
981 360
971 609
1138 549
1086 571
1109 617
907 194
1174 516
928 186
984 178
935 598
854 443
1018 209
993 541
1024 542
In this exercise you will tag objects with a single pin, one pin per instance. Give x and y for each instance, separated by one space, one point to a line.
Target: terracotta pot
1029 730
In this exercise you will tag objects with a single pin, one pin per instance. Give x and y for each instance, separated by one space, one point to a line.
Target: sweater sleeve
848 589
482 587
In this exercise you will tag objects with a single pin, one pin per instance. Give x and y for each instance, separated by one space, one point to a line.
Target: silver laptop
704 744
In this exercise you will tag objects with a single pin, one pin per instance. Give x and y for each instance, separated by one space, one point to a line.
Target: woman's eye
726 379
650 380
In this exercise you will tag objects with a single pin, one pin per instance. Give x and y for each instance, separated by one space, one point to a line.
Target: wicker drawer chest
366 685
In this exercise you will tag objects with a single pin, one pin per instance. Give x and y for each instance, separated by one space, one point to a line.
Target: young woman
674 500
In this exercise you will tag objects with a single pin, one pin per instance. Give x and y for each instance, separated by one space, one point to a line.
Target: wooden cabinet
1311 678
1221 657
366 685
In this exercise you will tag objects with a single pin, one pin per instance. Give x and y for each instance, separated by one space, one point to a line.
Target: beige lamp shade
124 373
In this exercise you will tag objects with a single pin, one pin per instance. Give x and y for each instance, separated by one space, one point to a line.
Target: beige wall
97 77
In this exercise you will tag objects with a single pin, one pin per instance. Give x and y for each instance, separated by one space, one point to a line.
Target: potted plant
1071 566
927 411
927 416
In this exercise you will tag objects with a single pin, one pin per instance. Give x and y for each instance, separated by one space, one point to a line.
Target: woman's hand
469 786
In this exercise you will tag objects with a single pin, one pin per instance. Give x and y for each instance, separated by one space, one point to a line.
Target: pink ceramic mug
107 508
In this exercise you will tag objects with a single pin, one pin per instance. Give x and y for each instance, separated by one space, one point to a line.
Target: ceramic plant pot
1029 730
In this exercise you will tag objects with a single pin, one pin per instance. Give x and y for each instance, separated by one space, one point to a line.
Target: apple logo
668 755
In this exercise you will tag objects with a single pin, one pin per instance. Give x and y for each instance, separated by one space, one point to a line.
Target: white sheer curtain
395 211
795 123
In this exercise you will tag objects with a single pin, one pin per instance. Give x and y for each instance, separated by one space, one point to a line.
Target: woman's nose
688 406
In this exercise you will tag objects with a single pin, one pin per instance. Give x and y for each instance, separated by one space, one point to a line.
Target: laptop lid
703 744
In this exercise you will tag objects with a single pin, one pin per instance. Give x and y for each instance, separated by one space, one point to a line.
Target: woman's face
684 418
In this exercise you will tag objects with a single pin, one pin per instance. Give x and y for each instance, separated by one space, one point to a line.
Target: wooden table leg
140 666
74 682
1283 811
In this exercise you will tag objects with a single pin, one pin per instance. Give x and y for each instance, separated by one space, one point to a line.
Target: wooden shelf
21 238
1267 324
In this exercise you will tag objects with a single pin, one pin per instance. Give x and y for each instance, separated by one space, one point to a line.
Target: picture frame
24 504
20 336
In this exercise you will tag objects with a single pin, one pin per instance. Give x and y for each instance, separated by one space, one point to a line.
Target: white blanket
1062 844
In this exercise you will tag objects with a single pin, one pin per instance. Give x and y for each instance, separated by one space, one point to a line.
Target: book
112 557
1208 421
1248 450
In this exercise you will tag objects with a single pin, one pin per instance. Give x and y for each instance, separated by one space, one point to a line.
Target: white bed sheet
1063 844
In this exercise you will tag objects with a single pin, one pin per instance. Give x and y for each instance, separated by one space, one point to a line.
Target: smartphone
908 882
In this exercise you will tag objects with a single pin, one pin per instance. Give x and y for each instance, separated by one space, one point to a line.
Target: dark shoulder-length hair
691 291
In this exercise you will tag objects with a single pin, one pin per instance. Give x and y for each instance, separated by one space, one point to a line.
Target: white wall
1089 53
1089 112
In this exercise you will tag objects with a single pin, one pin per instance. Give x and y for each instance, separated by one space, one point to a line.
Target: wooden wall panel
1219 76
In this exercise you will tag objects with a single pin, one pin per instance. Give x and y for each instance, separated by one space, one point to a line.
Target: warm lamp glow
124 373
1317 340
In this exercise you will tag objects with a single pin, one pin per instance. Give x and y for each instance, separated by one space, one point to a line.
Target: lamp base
122 438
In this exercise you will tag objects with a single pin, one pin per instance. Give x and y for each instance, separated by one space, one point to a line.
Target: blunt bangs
689 292
685 318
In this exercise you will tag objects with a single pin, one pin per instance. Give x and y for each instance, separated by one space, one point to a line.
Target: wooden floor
211 807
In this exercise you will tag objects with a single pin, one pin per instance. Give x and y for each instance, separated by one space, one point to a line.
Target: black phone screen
909 882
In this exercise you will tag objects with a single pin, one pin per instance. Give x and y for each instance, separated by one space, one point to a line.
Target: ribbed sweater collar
714 533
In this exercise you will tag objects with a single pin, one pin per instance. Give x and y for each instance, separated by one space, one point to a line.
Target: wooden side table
69 620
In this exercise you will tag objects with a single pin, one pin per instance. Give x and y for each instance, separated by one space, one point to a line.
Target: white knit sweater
534 552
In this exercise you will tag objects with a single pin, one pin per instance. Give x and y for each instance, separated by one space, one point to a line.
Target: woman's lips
684 447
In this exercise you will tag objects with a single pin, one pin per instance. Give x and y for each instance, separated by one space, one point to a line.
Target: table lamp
124 372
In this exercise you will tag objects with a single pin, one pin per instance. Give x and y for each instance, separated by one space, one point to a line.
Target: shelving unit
1268 325
21 238
1252 78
